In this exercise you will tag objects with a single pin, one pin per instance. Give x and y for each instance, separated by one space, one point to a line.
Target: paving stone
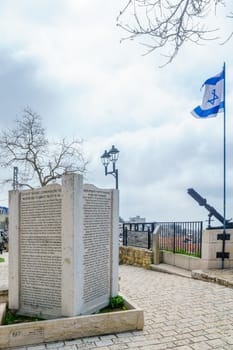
182 342
155 347
168 333
125 334
212 336
139 338
136 333
166 339
118 347
37 347
229 340
104 342
216 343
108 336
121 340
66 347
74 342
201 346
54 345
197 334
90 339
199 339
99 348
86 346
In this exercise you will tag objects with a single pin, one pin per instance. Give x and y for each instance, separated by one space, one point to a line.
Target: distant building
3 210
3 218
136 219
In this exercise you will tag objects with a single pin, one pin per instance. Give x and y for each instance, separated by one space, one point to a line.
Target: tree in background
40 162
169 23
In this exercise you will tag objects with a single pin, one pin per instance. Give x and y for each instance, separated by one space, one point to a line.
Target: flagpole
224 165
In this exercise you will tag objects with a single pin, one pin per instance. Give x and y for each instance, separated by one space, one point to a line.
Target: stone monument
63 248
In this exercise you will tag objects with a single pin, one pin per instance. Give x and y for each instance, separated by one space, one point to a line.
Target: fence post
174 237
155 244
200 240
148 239
125 238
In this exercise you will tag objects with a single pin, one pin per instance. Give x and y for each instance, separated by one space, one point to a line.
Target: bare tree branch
168 23
40 161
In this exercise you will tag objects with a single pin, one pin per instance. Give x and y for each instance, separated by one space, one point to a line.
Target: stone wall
180 260
135 256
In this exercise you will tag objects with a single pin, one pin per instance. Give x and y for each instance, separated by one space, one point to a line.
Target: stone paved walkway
180 313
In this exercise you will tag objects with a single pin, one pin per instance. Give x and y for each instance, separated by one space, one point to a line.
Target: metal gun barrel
197 196
202 201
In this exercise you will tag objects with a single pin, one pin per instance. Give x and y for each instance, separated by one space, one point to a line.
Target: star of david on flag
213 99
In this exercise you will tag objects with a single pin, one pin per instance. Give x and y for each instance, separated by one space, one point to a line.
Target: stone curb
173 270
195 274
203 276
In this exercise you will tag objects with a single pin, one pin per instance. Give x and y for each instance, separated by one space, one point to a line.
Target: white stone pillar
155 245
211 245
13 263
72 244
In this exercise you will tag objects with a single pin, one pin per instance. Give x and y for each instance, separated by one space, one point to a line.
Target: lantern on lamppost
111 157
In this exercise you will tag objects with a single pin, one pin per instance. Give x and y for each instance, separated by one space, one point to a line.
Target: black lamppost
111 156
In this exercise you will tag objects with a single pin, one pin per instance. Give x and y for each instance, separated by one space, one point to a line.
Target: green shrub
116 302
12 318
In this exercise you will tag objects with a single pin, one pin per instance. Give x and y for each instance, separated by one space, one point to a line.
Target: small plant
12 318
116 302
9 318
2 260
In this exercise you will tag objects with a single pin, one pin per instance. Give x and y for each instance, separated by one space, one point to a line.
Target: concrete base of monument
72 327
3 296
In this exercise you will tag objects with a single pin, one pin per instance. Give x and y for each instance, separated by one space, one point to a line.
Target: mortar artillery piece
212 211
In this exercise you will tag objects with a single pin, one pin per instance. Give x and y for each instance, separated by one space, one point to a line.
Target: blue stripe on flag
214 80
198 112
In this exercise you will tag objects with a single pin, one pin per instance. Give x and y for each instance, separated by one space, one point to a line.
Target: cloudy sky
64 59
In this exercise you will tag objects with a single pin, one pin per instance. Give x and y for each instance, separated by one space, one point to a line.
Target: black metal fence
181 237
177 237
138 234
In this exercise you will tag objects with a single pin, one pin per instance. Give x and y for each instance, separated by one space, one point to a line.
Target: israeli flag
213 99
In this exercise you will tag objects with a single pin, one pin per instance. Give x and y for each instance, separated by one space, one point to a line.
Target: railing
177 237
138 234
181 237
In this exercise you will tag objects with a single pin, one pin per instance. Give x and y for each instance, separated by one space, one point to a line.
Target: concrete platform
223 277
171 270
